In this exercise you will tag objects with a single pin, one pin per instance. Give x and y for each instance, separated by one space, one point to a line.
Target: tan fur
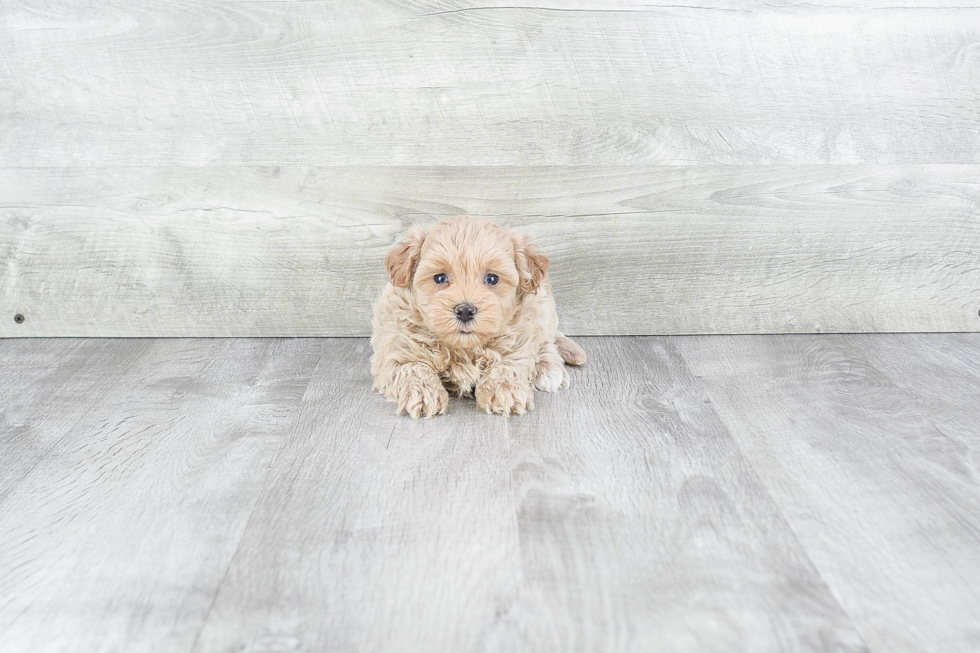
570 352
422 351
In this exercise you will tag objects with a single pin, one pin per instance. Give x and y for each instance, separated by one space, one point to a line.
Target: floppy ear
532 264
403 257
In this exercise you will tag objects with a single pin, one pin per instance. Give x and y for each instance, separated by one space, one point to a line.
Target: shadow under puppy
469 310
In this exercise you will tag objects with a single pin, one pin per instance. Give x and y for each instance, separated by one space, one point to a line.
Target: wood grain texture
47 388
149 457
954 403
880 491
470 83
375 532
644 528
287 251
687 494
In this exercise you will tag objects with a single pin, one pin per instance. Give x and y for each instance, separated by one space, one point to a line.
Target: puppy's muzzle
465 312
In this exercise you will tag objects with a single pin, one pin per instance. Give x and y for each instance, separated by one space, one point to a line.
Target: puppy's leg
550 373
414 387
570 352
505 387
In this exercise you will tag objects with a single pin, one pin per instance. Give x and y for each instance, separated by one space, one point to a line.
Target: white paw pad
552 379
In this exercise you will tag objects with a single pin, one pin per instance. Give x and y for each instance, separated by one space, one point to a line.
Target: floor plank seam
56 444
753 470
796 537
266 483
734 493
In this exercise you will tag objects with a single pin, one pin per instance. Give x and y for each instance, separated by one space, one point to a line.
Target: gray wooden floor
743 493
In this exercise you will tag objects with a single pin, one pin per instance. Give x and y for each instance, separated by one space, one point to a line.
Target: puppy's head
468 276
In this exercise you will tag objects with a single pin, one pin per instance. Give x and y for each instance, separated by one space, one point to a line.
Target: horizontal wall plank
296 251
467 83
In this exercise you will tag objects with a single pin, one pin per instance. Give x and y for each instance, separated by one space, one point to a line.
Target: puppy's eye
491 279
441 278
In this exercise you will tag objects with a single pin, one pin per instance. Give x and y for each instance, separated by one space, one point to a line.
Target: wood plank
942 374
119 536
644 528
375 532
635 250
47 388
692 494
886 504
461 83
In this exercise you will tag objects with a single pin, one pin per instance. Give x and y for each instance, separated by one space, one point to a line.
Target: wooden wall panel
297 251
239 167
386 82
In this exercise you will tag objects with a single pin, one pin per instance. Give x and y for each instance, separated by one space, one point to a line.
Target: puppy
469 310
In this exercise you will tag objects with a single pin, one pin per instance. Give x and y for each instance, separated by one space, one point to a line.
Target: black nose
465 312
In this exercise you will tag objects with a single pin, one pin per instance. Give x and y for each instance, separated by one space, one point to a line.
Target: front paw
551 377
504 396
422 396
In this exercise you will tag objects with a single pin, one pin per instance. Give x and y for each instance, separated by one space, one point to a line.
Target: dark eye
491 279
441 278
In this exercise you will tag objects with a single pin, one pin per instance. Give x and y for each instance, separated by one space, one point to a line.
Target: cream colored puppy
468 310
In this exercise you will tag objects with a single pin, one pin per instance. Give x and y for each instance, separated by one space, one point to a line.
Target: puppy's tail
569 351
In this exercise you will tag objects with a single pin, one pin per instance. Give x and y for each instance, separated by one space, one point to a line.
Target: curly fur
422 352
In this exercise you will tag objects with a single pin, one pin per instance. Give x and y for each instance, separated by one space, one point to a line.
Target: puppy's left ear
403 257
532 264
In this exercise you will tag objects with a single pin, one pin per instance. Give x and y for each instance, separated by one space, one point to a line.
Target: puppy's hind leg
570 352
549 371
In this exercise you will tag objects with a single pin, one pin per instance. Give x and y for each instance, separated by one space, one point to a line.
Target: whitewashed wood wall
239 167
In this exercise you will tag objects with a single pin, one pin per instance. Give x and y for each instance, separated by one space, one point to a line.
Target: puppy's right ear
403 257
